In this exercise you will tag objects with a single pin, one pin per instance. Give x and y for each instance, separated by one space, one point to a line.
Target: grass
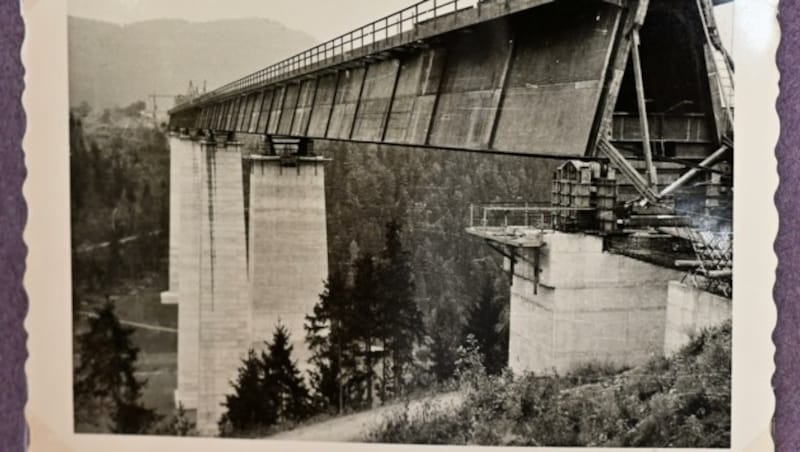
679 401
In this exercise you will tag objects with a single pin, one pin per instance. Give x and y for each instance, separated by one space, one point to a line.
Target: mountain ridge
117 64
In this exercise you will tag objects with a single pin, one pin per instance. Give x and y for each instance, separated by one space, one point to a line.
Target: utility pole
154 98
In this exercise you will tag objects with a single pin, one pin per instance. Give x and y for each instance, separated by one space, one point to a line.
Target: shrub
680 401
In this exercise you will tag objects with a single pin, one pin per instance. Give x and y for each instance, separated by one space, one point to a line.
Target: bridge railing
380 30
522 215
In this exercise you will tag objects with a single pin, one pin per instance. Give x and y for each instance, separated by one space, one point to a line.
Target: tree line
369 345
119 188
368 340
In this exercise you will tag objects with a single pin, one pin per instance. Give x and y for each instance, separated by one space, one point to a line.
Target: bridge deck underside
527 83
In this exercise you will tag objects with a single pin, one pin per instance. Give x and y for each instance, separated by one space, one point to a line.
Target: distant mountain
115 65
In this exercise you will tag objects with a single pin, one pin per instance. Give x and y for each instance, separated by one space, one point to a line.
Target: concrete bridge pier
288 246
224 317
179 149
572 303
186 163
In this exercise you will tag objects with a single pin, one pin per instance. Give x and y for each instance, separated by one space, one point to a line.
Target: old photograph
446 222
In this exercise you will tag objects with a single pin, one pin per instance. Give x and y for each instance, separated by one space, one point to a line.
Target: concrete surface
689 310
589 306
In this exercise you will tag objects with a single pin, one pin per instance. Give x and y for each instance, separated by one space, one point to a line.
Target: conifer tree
330 347
282 378
445 334
364 323
268 390
402 324
106 388
250 407
484 324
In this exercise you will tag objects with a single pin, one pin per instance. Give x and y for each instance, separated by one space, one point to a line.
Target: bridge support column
224 316
179 148
186 153
288 246
588 306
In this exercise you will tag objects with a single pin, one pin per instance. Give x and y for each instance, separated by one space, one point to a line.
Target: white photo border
49 369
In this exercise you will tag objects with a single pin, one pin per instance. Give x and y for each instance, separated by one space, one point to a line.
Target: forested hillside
429 192
119 174
119 168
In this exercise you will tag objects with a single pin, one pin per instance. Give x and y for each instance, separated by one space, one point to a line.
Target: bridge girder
374 112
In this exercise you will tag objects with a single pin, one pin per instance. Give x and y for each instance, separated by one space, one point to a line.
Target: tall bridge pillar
288 246
186 164
224 317
179 149
572 303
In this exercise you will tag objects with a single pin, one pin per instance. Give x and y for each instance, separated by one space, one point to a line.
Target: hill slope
113 64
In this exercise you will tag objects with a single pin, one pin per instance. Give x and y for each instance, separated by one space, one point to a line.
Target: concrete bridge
633 95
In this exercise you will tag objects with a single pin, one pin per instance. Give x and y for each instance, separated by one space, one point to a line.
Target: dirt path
355 426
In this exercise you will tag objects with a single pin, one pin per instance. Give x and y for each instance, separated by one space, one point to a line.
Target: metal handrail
502 215
379 30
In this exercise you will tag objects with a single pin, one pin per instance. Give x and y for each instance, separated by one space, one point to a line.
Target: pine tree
326 340
282 378
445 331
106 388
484 323
400 316
250 407
268 390
365 321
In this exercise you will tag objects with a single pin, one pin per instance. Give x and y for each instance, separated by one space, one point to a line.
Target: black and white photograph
444 222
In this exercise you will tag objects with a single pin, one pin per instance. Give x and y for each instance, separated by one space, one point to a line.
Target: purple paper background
13 213
787 333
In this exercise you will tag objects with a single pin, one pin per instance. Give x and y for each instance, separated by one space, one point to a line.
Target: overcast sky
322 19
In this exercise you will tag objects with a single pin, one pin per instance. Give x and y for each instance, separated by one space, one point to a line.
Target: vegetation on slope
681 401
124 378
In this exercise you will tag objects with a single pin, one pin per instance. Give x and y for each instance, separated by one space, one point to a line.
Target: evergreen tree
79 164
106 388
250 407
282 378
445 331
485 324
326 338
401 318
268 390
365 322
